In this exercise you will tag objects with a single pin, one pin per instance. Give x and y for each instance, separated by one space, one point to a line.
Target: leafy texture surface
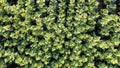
59 34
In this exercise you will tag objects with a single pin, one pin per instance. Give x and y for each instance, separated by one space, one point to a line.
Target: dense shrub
59 34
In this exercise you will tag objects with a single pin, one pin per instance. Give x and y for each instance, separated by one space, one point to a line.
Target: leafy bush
59 33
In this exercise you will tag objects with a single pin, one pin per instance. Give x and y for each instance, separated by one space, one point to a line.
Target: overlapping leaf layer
59 34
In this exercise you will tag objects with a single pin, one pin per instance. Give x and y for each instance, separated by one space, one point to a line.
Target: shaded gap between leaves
13 65
36 5
28 45
66 12
57 11
66 39
12 2
101 5
75 5
74 14
105 38
95 31
33 22
118 7
83 41
97 61
40 37
86 0
44 14
44 27
47 3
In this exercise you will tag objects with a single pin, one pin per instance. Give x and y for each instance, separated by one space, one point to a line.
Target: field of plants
59 33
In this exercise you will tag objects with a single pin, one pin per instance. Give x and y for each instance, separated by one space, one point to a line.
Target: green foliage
59 34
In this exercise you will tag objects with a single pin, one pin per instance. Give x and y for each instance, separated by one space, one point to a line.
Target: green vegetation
59 34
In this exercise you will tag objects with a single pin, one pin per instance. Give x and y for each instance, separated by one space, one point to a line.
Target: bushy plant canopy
59 34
